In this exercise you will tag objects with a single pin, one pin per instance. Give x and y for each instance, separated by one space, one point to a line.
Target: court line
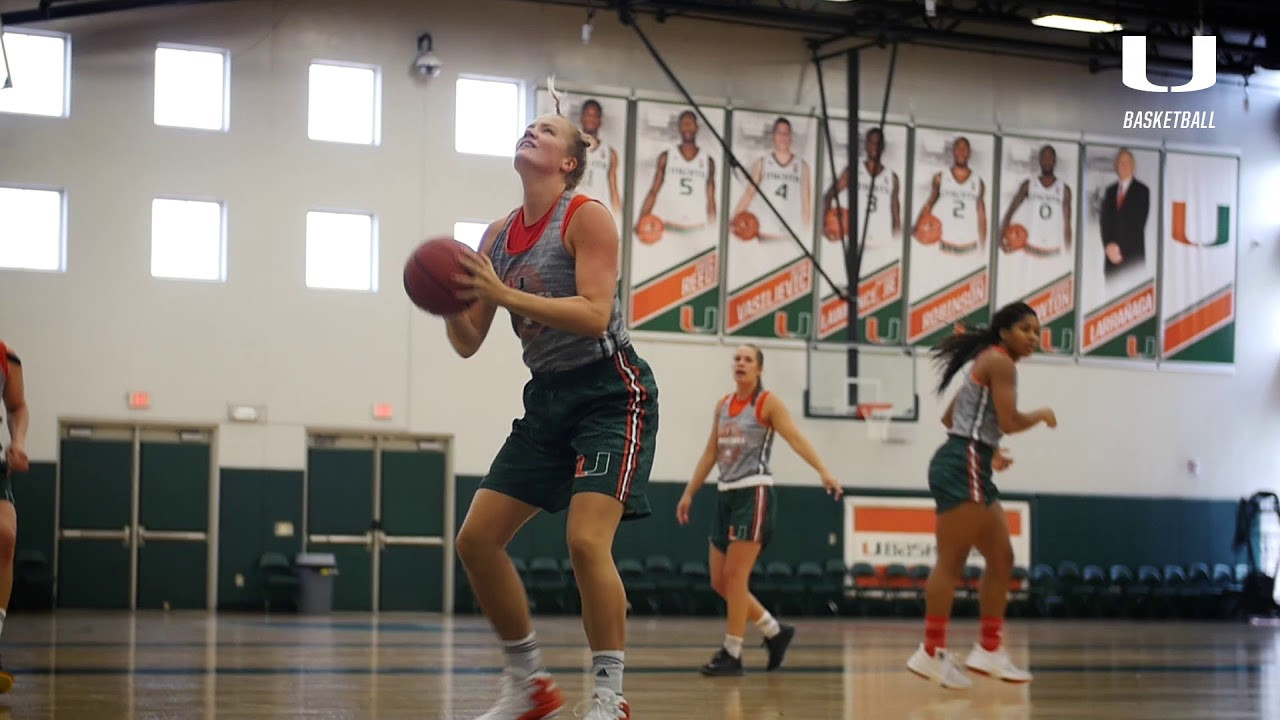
631 670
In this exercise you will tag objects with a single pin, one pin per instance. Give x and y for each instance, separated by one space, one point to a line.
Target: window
187 240
191 88
38 65
341 251
489 117
469 233
31 236
343 102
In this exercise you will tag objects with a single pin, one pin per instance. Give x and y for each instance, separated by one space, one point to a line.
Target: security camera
427 64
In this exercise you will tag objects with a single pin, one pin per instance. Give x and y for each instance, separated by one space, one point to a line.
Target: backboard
852 381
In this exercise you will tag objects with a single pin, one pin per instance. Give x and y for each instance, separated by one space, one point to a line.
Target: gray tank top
974 414
547 269
743 444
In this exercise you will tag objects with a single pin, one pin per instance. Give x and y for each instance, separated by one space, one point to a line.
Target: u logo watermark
1204 64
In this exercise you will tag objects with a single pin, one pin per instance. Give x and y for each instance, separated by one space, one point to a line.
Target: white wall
322 358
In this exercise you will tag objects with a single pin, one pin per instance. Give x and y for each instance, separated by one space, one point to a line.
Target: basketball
428 275
1015 237
746 226
928 229
835 220
649 230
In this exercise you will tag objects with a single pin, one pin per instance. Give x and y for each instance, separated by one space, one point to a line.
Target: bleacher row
655 586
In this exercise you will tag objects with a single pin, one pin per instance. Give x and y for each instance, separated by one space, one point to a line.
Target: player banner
1118 251
675 247
885 530
604 118
1198 258
770 279
882 166
948 259
1036 263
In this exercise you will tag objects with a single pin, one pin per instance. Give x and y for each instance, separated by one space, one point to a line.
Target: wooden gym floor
197 665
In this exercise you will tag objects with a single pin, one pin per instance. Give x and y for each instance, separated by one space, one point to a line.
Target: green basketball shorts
744 514
960 472
590 429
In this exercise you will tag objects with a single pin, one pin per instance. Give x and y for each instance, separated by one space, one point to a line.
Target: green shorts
590 429
6 481
744 514
960 472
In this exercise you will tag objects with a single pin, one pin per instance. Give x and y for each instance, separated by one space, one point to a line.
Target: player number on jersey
686 186
957 210
781 191
1046 211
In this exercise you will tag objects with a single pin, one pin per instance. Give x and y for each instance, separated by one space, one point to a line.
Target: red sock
935 633
991 629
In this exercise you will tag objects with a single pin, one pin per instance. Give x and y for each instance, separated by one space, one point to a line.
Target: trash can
315 574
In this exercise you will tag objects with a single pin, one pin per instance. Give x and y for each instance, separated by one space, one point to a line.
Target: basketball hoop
879 418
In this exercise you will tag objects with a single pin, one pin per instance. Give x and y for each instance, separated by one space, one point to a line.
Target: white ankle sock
523 655
768 625
733 645
606 668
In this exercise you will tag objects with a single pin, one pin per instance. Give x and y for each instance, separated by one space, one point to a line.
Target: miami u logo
1204 64
600 467
1179 228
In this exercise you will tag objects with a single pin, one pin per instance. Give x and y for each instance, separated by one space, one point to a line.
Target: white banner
886 530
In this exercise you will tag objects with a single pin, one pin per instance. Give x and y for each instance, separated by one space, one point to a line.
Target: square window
489 117
191 88
469 233
343 103
187 240
38 68
342 251
31 229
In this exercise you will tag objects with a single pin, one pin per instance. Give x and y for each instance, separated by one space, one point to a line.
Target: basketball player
1049 200
601 179
740 443
785 178
969 513
13 459
882 227
683 175
586 440
960 196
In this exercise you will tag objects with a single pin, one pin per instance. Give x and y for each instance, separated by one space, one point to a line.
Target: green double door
378 504
133 518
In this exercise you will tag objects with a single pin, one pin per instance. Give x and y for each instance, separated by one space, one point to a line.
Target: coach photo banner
675 247
1036 235
1198 258
882 169
1118 252
948 258
769 277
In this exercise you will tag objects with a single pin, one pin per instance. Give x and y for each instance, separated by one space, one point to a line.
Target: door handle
128 536
142 536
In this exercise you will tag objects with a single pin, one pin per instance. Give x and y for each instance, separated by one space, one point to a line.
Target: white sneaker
535 697
940 667
604 704
995 663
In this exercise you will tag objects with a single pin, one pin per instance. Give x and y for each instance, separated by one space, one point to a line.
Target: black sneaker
722 665
777 645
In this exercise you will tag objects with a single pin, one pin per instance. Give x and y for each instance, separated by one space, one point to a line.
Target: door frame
441 442
68 423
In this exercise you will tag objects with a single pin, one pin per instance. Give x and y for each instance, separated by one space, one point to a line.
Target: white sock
733 645
768 625
523 655
3 614
606 668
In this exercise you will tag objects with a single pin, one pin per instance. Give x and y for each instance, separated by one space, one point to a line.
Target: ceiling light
1078 24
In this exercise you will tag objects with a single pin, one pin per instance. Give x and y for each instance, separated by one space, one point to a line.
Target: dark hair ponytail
965 344
755 394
